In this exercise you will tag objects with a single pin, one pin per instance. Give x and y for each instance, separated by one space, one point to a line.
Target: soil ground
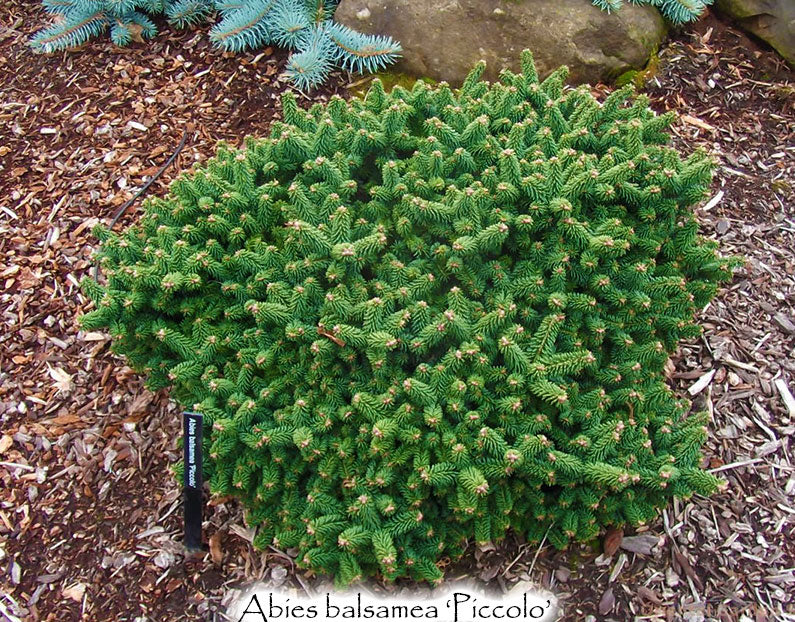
90 516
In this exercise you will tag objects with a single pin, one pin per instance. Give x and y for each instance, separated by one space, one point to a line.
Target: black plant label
192 458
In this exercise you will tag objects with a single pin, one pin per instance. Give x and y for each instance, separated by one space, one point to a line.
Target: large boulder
772 21
443 39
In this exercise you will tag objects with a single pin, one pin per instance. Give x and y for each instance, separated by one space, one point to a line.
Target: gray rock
443 39
772 21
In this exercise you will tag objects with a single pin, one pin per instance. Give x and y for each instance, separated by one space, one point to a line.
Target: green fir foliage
305 26
429 316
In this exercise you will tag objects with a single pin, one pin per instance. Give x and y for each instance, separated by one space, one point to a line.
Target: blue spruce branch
304 26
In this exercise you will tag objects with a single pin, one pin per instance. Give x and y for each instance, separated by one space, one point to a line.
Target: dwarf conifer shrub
429 316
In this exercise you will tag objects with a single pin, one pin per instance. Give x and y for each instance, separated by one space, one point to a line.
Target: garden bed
89 515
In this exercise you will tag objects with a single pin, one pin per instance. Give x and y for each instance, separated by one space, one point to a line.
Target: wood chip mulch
90 515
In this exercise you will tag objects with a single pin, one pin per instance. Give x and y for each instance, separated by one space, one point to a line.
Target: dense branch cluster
429 316
305 26
677 11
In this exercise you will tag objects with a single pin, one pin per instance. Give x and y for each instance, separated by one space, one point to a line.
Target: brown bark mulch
90 516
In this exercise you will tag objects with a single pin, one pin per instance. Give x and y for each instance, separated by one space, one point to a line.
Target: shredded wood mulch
90 515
